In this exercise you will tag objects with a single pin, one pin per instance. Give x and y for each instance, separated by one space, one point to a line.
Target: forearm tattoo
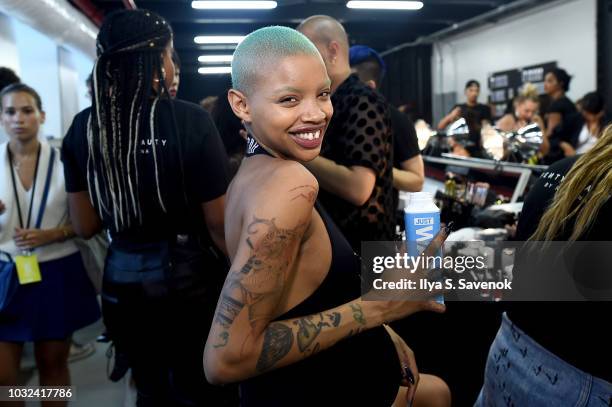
311 326
278 340
358 314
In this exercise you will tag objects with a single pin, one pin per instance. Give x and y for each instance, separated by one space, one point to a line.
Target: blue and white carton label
420 231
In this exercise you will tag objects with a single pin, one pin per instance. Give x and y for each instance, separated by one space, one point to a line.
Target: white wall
69 87
563 31
8 53
39 69
83 65
8 47
57 73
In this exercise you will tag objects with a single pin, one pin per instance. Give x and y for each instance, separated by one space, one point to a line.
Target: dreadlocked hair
129 46
592 173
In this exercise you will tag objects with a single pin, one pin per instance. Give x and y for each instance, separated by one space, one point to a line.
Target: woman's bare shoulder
275 179
506 122
280 189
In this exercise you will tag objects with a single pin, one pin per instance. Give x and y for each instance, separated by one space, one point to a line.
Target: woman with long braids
153 172
558 353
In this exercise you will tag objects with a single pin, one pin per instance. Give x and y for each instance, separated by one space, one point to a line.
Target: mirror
493 142
424 133
458 128
525 143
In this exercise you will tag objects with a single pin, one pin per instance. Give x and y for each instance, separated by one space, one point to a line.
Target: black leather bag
197 269
188 268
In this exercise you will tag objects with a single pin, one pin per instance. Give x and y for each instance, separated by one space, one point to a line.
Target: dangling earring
163 71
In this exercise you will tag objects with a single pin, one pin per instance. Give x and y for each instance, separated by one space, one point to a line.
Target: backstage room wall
56 72
8 46
563 31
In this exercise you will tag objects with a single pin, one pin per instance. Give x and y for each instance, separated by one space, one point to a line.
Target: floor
92 388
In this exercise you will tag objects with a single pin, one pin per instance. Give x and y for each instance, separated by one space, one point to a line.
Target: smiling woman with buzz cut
289 324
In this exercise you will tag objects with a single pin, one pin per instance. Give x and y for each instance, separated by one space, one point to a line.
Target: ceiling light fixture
210 70
218 39
233 5
217 47
215 58
385 5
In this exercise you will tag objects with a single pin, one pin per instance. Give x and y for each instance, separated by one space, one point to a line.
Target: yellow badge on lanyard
28 270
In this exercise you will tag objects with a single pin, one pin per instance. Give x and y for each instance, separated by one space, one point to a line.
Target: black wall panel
408 80
604 52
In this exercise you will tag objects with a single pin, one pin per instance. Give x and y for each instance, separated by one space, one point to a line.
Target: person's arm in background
572 127
354 180
353 184
537 119
214 214
83 216
486 116
412 175
85 220
567 148
553 119
28 239
208 169
449 118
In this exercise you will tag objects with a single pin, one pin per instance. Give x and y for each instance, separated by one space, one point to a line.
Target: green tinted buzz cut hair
263 46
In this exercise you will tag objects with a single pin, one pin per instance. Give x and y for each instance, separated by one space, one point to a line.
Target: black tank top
363 370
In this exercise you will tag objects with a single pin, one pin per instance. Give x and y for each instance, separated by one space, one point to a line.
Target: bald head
324 29
332 42
263 47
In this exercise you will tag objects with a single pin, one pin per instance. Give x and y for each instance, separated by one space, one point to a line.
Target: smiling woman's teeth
309 136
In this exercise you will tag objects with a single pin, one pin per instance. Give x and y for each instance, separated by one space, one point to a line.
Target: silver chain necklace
18 164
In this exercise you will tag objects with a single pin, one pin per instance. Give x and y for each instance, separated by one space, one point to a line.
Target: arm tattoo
309 330
278 339
335 318
227 310
258 284
224 338
307 192
358 314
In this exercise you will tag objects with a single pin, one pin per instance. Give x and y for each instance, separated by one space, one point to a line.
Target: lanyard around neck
10 154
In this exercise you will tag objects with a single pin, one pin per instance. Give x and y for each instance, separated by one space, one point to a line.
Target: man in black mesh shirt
408 167
356 163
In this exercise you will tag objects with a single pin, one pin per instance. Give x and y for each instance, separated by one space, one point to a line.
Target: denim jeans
520 372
